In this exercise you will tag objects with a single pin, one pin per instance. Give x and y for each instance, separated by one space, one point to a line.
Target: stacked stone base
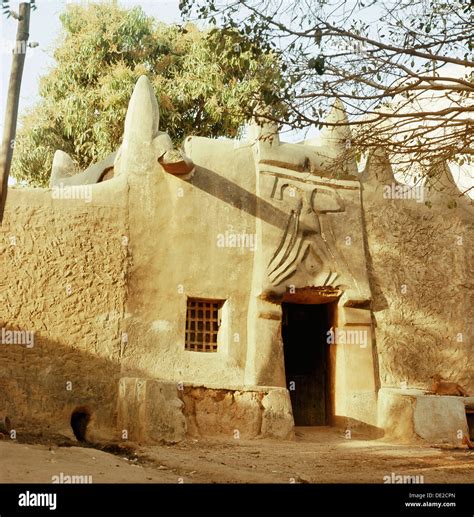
153 411
410 415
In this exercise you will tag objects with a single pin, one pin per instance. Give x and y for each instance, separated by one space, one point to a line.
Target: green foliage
204 84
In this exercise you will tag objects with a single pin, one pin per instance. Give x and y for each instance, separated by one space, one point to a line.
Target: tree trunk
11 113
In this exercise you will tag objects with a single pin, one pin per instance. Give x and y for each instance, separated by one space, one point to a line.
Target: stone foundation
151 411
408 415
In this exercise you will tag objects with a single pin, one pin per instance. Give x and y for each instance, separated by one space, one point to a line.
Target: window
203 319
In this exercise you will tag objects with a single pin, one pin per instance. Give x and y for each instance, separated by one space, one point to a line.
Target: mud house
237 287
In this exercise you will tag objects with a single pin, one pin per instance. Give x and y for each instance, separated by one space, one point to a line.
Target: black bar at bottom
18 499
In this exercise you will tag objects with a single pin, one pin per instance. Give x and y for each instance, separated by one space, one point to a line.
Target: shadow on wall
236 196
418 266
418 325
41 387
379 301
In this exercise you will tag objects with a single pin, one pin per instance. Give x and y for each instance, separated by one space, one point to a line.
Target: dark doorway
306 351
79 421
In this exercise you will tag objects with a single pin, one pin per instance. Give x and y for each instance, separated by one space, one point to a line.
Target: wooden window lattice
203 319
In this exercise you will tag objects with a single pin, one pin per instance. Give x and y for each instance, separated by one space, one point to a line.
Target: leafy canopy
206 83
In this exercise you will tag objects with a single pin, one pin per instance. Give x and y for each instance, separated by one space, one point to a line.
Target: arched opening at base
80 419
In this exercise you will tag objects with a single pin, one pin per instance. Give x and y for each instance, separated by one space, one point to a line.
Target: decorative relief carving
307 244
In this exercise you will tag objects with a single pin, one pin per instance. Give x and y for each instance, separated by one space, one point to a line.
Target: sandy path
316 455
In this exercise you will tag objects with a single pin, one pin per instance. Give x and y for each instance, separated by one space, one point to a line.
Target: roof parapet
63 167
441 184
378 169
337 136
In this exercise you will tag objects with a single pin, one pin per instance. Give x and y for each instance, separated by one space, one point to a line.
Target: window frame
214 324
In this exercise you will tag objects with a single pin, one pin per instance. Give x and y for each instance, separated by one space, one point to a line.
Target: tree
13 96
402 68
204 82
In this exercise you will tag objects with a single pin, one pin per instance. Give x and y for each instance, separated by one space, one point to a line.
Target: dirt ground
316 455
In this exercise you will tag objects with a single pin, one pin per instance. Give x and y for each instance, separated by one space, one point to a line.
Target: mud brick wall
63 273
420 265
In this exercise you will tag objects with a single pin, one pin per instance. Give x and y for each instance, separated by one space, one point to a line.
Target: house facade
236 288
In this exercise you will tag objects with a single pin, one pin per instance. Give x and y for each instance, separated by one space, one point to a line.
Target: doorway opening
80 419
307 361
